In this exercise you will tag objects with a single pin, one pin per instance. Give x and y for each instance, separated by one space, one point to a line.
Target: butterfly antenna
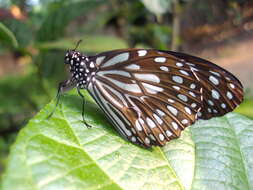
77 44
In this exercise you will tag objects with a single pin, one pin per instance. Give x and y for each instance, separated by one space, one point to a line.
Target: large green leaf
61 153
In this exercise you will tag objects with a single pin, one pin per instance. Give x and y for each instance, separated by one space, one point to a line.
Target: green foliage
90 43
7 37
59 16
60 153
156 34
22 31
246 107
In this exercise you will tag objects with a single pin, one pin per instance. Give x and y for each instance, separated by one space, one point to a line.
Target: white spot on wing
174 125
193 86
138 126
150 123
133 139
210 102
192 93
223 105
214 80
158 119
193 105
142 52
182 97
160 112
177 79
184 72
232 85
161 137
184 121
179 64
176 87
171 101
163 68
188 110
215 73
148 77
92 65
147 140
160 59
172 110
215 94
168 133
229 95
133 67
151 88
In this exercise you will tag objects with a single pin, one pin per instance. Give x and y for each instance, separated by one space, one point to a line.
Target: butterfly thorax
82 69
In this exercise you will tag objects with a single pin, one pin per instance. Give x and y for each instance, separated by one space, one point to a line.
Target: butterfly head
81 68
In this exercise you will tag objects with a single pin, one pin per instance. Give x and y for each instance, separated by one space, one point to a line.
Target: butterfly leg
82 96
63 87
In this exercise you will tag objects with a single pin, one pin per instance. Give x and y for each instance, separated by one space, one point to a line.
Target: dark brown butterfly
150 96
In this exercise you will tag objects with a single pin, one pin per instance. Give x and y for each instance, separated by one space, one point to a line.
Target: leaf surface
61 153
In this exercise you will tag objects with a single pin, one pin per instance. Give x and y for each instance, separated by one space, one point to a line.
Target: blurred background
35 34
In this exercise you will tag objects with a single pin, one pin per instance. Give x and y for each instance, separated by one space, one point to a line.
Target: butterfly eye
150 96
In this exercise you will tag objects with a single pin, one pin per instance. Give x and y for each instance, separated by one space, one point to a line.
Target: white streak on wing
215 73
99 60
151 88
111 98
115 72
148 77
123 117
133 67
101 101
115 92
116 59
120 126
125 86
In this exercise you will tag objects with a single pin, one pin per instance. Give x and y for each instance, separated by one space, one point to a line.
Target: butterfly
151 96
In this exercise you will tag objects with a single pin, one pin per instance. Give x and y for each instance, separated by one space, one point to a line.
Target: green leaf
61 153
7 37
94 43
246 107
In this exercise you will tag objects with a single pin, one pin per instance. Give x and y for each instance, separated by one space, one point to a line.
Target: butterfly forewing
222 91
151 96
